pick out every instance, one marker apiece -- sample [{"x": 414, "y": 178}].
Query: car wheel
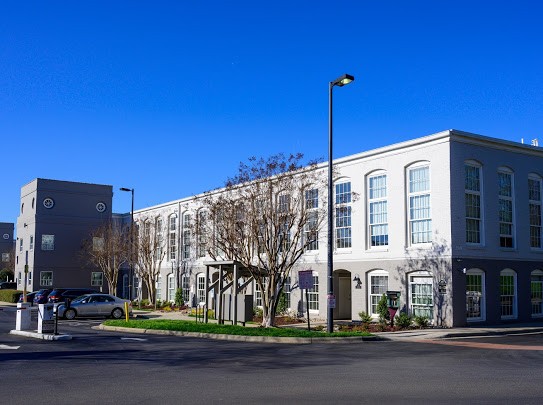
[
  {"x": 117, "y": 313},
  {"x": 69, "y": 314}
]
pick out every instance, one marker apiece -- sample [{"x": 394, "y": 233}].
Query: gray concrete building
[
  {"x": 55, "y": 217},
  {"x": 6, "y": 244}
]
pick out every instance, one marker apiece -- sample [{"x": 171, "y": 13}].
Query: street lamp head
[
  {"x": 126, "y": 189},
  {"x": 343, "y": 80}
]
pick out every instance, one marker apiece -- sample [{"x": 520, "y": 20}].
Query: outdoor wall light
[{"x": 358, "y": 281}]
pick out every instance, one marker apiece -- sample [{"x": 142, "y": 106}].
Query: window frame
[
  {"x": 511, "y": 275},
  {"x": 378, "y": 274},
  {"x": 537, "y": 206},
  {"x": 49, "y": 280},
  {"x": 425, "y": 308},
  {"x": 536, "y": 298},
  {"x": 377, "y": 201},
  {"x": 475, "y": 193},
  {"x": 419, "y": 195},
  {"x": 95, "y": 280},
  {"x": 343, "y": 215},
  {"x": 504, "y": 199},
  {"x": 476, "y": 273},
  {"x": 47, "y": 245}
]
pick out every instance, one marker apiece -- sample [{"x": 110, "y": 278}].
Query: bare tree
[
  {"x": 265, "y": 218},
  {"x": 150, "y": 250},
  {"x": 108, "y": 248}
]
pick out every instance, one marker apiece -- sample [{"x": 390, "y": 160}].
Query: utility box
[
  {"x": 24, "y": 319},
  {"x": 245, "y": 307},
  {"x": 46, "y": 318}
]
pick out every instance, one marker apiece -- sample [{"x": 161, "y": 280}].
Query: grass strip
[{"x": 188, "y": 326}]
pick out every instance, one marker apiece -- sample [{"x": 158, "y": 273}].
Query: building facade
[
  {"x": 452, "y": 221},
  {"x": 6, "y": 245},
  {"x": 55, "y": 218}
]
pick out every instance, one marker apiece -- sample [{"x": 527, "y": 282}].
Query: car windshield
[{"x": 80, "y": 298}]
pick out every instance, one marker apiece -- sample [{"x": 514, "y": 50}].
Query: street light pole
[
  {"x": 340, "y": 82},
  {"x": 131, "y": 272}
]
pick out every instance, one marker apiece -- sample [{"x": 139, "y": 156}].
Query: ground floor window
[
  {"x": 185, "y": 282},
  {"x": 378, "y": 285},
  {"x": 508, "y": 296},
  {"x": 313, "y": 294},
  {"x": 421, "y": 295},
  {"x": 201, "y": 288},
  {"x": 159, "y": 288},
  {"x": 536, "y": 291},
  {"x": 46, "y": 278},
  {"x": 475, "y": 295},
  {"x": 97, "y": 279},
  {"x": 286, "y": 290},
  {"x": 171, "y": 287}
]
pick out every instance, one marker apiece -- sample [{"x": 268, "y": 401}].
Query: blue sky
[{"x": 169, "y": 96}]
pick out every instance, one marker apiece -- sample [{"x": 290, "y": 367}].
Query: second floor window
[
  {"x": 343, "y": 215},
  {"x": 172, "y": 242},
  {"x": 48, "y": 242},
  {"x": 378, "y": 210},
  {"x": 420, "y": 220},
  {"x": 505, "y": 204},
  {"x": 534, "y": 202},
  {"x": 472, "y": 197}
]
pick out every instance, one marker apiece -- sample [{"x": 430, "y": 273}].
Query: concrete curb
[
  {"x": 241, "y": 338},
  {"x": 42, "y": 336}
]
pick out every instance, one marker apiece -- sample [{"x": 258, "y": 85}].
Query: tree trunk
[{"x": 268, "y": 316}]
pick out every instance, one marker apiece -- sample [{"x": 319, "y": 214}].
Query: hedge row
[{"x": 10, "y": 295}]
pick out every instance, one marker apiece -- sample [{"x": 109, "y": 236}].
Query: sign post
[{"x": 305, "y": 282}]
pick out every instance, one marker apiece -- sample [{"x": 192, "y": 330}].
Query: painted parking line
[
  {"x": 479, "y": 345},
  {"x": 6, "y": 347},
  {"x": 134, "y": 339}
]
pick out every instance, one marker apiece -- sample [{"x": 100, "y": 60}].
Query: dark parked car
[
  {"x": 29, "y": 297},
  {"x": 95, "y": 305},
  {"x": 41, "y": 296},
  {"x": 7, "y": 285},
  {"x": 61, "y": 294}
]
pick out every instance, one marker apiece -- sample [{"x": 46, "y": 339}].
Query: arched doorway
[{"x": 342, "y": 291}]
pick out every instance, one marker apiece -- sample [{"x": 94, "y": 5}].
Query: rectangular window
[
  {"x": 201, "y": 289},
  {"x": 21, "y": 245},
  {"x": 472, "y": 198},
  {"x": 186, "y": 236},
  {"x": 286, "y": 290},
  {"x": 202, "y": 235},
  {"x": 343, "y": 215},
  {"x": 378, "y": 210},
  {"x": 171, "y": 288},
  {"x": 97, "y": 244},
  {"x": 421, "y": 296},
  {"x": 159, "y": 239},
  {"x": 536, "y": 290},
  {"x": 474, "y": 297},
  {"x": 48, "y": 242},
  {"x": 313, "y": 294},
  {"x": 311, "y": 232},
  {"x": 378, "y": 287},
  {"x": 31, "y": 245},
  {"x": 312, "y": 199},
  {"x": 505, "y": 204},
  {"x": 97, "y": 279},
  {"x": 5, "y": 257},
  {"x": 420, "y": 221},
  {"x": 173, "y": 237},
  {"x": 159, "y": 288},
  {"x": 185, "y": 280},
  {"x": 534, "y": 205},
  {"x": 46, "y": 278}
]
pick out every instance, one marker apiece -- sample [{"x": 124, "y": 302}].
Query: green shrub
[
  {"x": 422, "y": 321},
  {"x": 364, "y": 317},
  {"x": 257, "y": 312},
  {"x": 179, "y": 297},
  {"x": 404, "y": 320},
  {"x": 10, "y": 295},
  {"x": 382, "y": 309},
  {"x": 145, "y": 302},
  {"x": 282, "y": 304}
]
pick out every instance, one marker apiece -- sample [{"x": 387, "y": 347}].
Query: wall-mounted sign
[{"x": 442, "y": 287}]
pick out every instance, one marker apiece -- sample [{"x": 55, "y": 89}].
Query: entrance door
[{"x": 344, "y": 298}]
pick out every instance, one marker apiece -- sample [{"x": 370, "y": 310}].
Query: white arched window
[
  {"x": 377, "y": 286},
  {"x": 536, "y": 293},
  {"x": 171, "y": 288},
  {"x": 418, "y": 202},
  {"x": 201, "y": 288},
  {"x": 159, "y": 287},
  {"x": 377, "y": 206},
  {"x": 475, "y": 295},
  {"x": 508, "y": 294}
]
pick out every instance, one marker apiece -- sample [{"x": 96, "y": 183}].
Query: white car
[{"x": 95, "y": 305}]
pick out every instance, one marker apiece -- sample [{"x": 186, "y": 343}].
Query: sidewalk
[{"x": 414, "y": 334}]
